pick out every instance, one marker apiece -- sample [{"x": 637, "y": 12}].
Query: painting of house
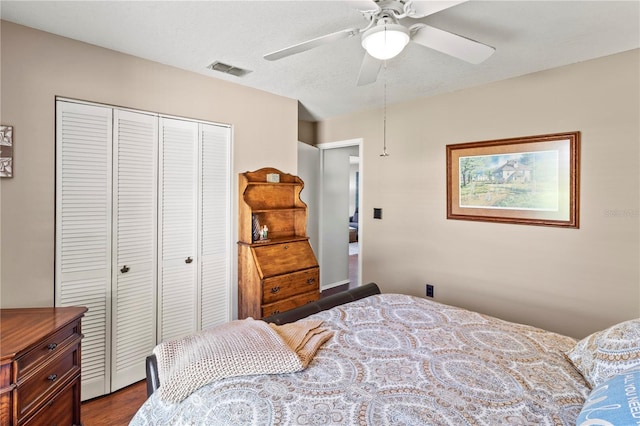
[{"x": 512, "y": 172}]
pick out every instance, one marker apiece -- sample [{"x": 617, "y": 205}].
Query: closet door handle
[
  {"x": 124, "y": 269},
  {"x": 188, "y": 260}
]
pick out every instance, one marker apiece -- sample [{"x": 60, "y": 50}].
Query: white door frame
[{"x": 334, "y": 145}]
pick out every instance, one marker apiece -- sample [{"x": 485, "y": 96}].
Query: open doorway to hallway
[{"x": 325, "y": 169}]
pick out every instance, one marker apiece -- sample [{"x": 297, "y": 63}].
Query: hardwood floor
[{"x": 115, "y": 409}]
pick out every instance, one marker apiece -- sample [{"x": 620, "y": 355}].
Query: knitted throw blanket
[{"x": 238, "y": 348}]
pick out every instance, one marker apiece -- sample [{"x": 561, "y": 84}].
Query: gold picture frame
[{"x": 532, "y": 180}]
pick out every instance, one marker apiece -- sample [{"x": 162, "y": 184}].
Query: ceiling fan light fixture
[{"x": 385, "y": 41}]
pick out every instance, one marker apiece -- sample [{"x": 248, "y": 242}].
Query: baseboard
[{"x": 336, "y": 284}]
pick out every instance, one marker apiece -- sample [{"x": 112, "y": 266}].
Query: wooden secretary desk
[
  {"x": 279, "y": 272},
  {"x": 40, "y": 366}
]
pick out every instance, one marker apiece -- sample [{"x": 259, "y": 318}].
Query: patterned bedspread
[{"x": 401, "y": 360}]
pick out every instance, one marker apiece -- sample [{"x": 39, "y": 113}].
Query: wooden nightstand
[{"x": 40, "y": 366}]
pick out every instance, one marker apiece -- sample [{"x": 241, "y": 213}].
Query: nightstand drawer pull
[
  {"x": 52, "y": 377},
  {"x": 311, "y": 280},
  {"x": 274, "y": 290},
  {"x": 52, "y": 346}
]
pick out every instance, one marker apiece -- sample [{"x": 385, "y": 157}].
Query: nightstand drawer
[
  {"x": 47, "y": 348},
  {"x": 290, "y": 303},
  {"x": 49, "y": 378},
  {"x": 279, "y": 259},
  {"x": 284, "y": 286}
]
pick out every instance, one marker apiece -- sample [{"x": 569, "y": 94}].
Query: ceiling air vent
[{"x": 228, "y": 69}]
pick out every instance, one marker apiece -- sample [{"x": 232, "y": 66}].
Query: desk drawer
[
  {"x": 277, "y": 259},
  {"x": 48, "y": 347},
  {"x": 284, "y": 286},
  {"x": 290, "y": 303},
  {"x": 48, "y": 379}
]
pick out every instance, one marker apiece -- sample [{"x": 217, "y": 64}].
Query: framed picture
[
  {"x": 531, "y": 180},
  {"x": 6, "y": 151}
]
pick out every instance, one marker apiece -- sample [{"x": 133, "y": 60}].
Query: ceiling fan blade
[
  {"x": 420, "y": 9},
  {"x": 369, "y": 70},
  {"x": 310, "y": 44},
  {"x": 365, "y": 5},
  {"x": 452, "y": 44}
]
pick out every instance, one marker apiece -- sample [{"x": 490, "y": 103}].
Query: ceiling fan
[{"x": 383, "y": 38}]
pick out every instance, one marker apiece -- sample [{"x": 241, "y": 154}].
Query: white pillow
[{"x": 607, "y": 353}]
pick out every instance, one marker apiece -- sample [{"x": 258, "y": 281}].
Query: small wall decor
[
  {"x": 6, "y": 151},
  {"x": 530, "y": 180}
]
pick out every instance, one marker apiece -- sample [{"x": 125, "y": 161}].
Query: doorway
[
  {"x": 340, "y": 198},
  {"x": 325, "y": 194}
]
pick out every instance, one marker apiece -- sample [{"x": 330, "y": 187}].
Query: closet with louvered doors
[
  {"x": 195, "y": 220},
  {"x": 142, "y": 220}
]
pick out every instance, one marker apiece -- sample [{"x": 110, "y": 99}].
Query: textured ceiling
[{"x": 529, "y": 36}]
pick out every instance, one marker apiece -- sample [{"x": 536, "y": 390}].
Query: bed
[{"x": 401, "y": 360}]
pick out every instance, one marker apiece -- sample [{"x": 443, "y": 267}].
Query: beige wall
[
  {"x": 307, "y": 131},
  {"x": 573, "y": 281},
  {"x": 37, "y": 67}
]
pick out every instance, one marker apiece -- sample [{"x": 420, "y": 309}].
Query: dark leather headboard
[
  {"x": 153, "y": 381},
  {"x": 323, "y": 304}
]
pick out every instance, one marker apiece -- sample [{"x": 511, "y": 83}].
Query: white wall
[
  {"x": 37, "y": 67},
  {"x": 573, "y": 281},
  {"x": 309, "y": 172}
]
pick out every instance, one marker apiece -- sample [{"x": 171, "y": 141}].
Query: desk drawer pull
[
  {"x": 52, "y": 346},
  {"x": 52, "y": 377}
]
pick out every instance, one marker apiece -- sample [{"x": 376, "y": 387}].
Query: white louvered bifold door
[
  {"x": 178, "y": 227},
  {"x": 134, "y": 265},
  {"x": 83, "y": 230},
  {"x": 215, "y": 225},
  {"x": 142, "y": 233}
]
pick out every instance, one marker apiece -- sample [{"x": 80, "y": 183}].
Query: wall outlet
[{"x": 429, "y": 290}]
